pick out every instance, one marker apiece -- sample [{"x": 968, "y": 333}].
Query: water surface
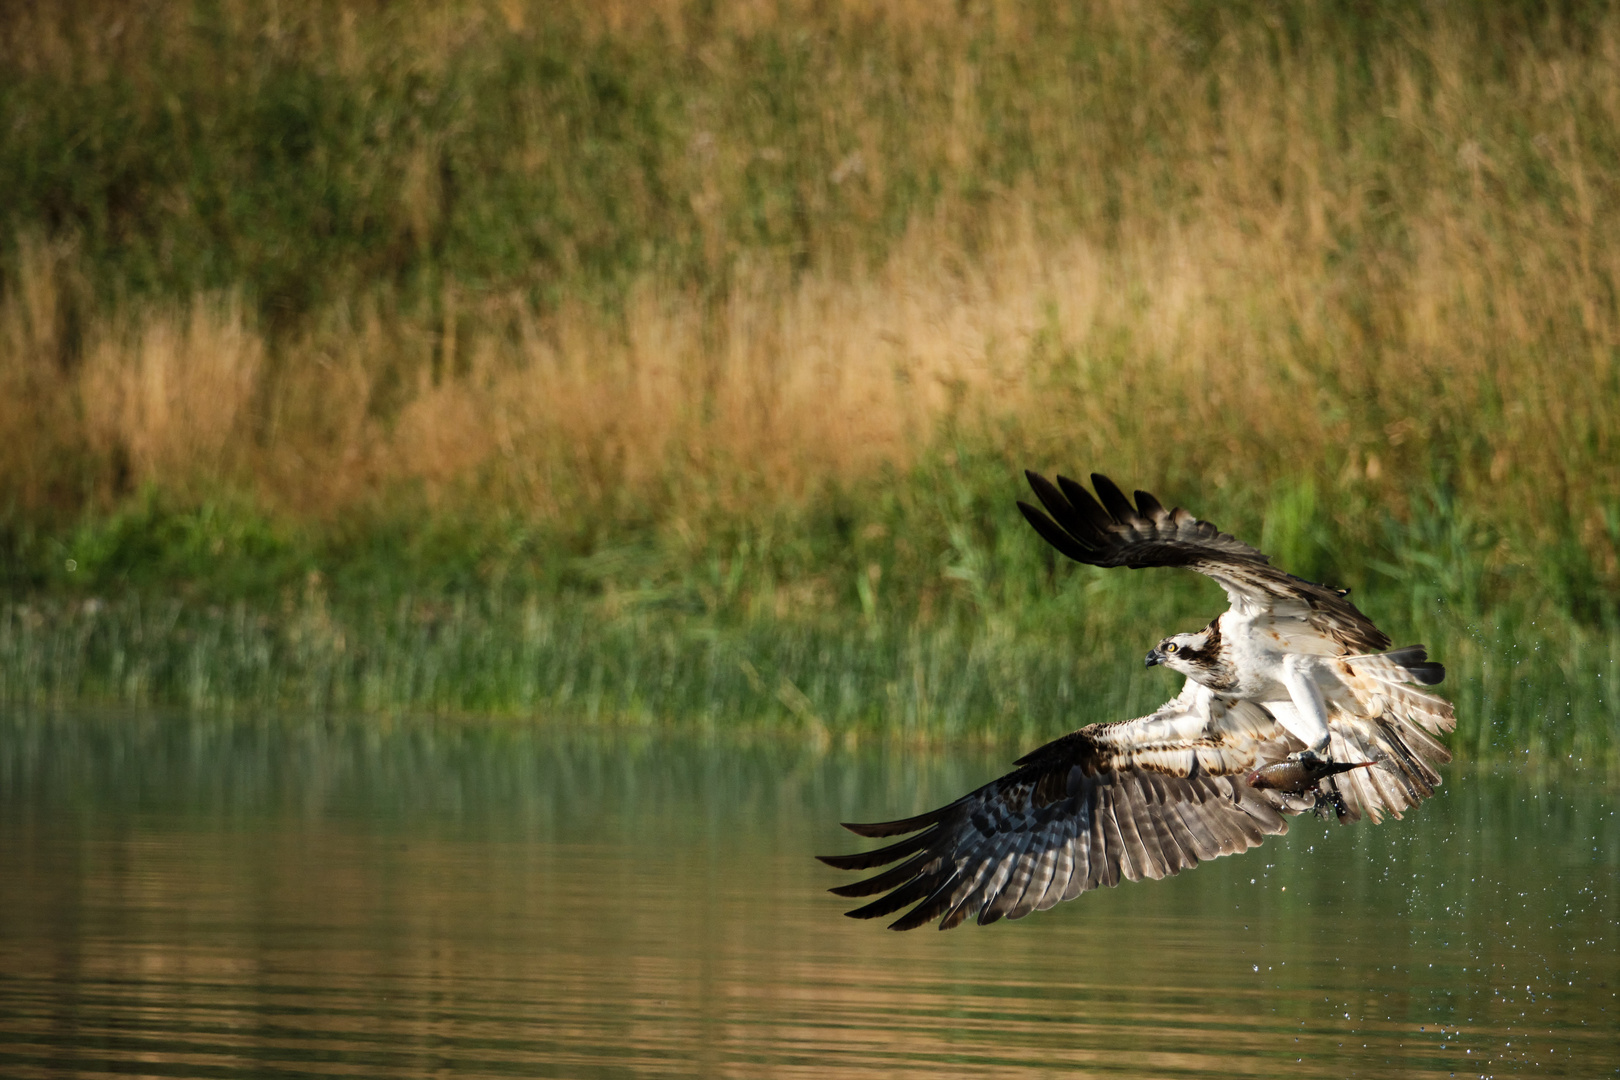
[{"x": 213, "y": 897}]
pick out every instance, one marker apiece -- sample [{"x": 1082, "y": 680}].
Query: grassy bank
[
  {"x": 999, "y": 644},
  {"x": 1523, "y": 694},
  {"x": 472, "y": 356}
]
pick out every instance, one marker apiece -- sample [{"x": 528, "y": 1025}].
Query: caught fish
[{"x": 1295, "y": 777}]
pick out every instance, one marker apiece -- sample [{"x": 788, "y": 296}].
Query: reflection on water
[{"x": 185, "y": 897}]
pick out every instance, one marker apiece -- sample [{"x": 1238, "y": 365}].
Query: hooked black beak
[{"x": 1154, "y": 657}]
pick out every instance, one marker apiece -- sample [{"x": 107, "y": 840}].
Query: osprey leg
[{"x": 1309, "y": 719}]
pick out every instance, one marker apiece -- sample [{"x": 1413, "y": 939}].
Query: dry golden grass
[
  {"x": 1229, "y": 350},
  {"x": 171, "y": 395}
]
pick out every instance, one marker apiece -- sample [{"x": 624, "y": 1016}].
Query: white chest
[{"x": 1255, "y": 646}]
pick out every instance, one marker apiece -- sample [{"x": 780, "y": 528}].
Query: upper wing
[
  {"x": 1115, "y": 533},
  {"x": 1146, "y": 798}
]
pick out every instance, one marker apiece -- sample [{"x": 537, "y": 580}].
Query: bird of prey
[{"x": 1293, "y": 702}]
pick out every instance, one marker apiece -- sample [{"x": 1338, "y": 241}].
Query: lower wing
[{"x": 1146, "y": 798}]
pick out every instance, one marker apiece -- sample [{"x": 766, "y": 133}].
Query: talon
[{"x": 1331, "y": 802}]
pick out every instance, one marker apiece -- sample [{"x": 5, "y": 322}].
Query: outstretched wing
[
  {"x": 1112, "y": 532},
  {"x": 1146, "y": 798}
]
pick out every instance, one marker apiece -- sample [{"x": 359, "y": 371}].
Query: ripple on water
[{"x": 549, "y": 905}]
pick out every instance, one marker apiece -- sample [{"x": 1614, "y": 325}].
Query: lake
[{"x": 189, "y": 896}]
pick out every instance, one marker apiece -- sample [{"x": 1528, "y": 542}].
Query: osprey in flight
[{"x": 1292, "y": 703}]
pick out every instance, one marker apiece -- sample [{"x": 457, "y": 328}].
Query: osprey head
[{"x": 1193, "y": 655}]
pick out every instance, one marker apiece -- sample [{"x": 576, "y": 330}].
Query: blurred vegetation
[{"x": 682, "y": 360}]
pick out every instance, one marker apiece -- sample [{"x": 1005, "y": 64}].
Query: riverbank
[{"x": 471, "y": 357}]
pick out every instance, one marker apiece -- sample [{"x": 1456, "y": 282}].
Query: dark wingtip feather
[
  {"x": 1415, "y": 659},
  {"x": 904, "y": 896},
  {"x": 1092, "y": 517},
  {"x": 866, "y": 860},
  {"x": 936, "y": 904},
  {"x": 1053, "y": 534},
  {"x": 1047, "y": 492},
  {"x": 1407, "y": 654},
  {"x": 856, "y": 889},
  {"x": 1429, "y": 674},
  {"x": 1150, "y": 507},
  {"x": 892, "y": 828},
  {"x": 1071, "y": 507},
  {"x": 1112, "y": 498},
  {"x": 891, "y": 878}
]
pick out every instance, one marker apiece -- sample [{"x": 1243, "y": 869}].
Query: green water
[{"x": 187, "y": 896}]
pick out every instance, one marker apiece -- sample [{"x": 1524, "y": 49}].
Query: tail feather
[
  {"x": 1390, "y": 676},
  {"x": 1409, "y": 664},
  {"x": 1406, "y": 755},
  {"x": 1429, "y": 674},
  {"x": 1392, "y": 721}
]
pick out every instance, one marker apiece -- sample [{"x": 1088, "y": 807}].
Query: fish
[{"x": 1296, "y": 777}]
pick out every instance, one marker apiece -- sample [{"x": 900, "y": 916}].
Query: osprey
[{"x": 1292, "y": 703}]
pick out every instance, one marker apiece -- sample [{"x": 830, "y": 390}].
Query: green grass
[
  {"x": 1520, "y": 691},
  {"x": 971, "y": 632}
]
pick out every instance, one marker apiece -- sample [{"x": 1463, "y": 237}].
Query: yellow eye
[{"x": 1172, "y": 647}]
